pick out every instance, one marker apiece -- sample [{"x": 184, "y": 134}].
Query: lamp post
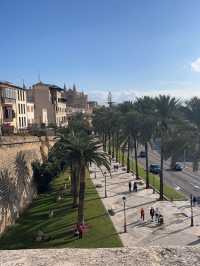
[
  {"x": 192, "y": 217},
  {"x": 124, "y": 201},
  {"x": 153, "y": 184},
  {"x": 105, "y": 184}
]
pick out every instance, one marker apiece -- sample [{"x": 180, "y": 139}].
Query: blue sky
[{"x": 129, "y": 47}]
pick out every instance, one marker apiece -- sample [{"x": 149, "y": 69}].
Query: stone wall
[
  {"x": 137, "y": 256},
  {"x": 17, "y": 189}
]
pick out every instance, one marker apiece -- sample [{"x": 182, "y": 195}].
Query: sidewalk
[{"x": 176, "y": 229}]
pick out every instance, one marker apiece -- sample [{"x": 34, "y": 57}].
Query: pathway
[{"x": 176, "y": 229}]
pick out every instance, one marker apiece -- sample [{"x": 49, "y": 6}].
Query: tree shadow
[
  {"x": 196, "y": 242},
  {"x": 136, "y": 206}
]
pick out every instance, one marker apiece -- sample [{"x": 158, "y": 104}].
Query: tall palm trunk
[
  {"x": 105, "y": 142},
  {"x": 128, "y": 155},
  {"x": 173, "y": 161},
  {"x": 113, "y": 146},
  {"x": 147, "y": 164},
  {"x": 81, "y": 194},
  {"x": 75, "y": 181},
  {"x": 161, "y": 171},
  {"x": 109, "y": 144},
  {"x": 117, "y": 147},
  {"x": 123, "y": 157},
  {"x": 136, "y": 158},
  {"x": 104, "y": 145}
]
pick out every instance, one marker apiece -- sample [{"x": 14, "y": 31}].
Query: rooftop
[
  {"x": 4, "y": 84},
  {"x": 52, "y": 86}
]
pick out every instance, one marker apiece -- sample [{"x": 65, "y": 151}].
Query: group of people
[
  {"x": 154, "y": 214},
  {"x": 132, "y": 187}
]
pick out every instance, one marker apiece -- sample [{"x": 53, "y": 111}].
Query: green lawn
[
  {"x": 100, "y": 234},
  {"x": 154, "y": 181}
]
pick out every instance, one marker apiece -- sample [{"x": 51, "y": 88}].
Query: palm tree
[
  {"x": 192, "y": 114},
  {"x": 145, "y": 106},
  {"x": 165, "y": 114},
  {"x": 84, "y": 150},
  {"x": 100, "y": 126},
  {"x": 179, "y": 139},
  {"x": 130, "y": 132}
]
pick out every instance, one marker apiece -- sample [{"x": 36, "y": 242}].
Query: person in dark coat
[
  {"x": 135, "y": 187},
  {"x": 152, "y": 212},
  {"x": 129, "y": 185},
  {"x": 194, "y": 200}
]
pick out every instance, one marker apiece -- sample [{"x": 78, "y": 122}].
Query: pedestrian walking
[
  {"x": 135, "y": 186},
  {"x": 80, "y": 230},
  {"x": 156, "y": 214},
  {"x": 142, "y": 214},
  {"x": 129, "y": 185},
  {"x": 152, "y": 212},
  {"x": 160, "y": 219},
  {"x": 194, "y": 201}
]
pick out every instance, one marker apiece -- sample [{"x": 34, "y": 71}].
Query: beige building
[
  {"x": 13, "y": 113},
  {"x": 50, "y": 105},
  {"x": 30, "y": 113},
  {"x": 21, "y": 108},
  {"x": 8, "y": 107}
]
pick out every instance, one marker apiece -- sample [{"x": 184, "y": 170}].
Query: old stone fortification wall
[
  {"x": 17, "y": 189},
  {"x": 137, "y": 256}
]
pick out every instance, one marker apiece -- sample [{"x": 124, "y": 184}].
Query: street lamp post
[
  {"x": 105, "y": 184},
  {"x": 124, "y": 201},
  {"x": 192, "y": 216}
]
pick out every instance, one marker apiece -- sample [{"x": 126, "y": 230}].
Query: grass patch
[
  {"x": 154, "y": 181},
  {"x": 101, "y": 232}
]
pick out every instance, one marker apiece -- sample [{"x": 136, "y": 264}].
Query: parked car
[
  {"x": 142, "y": 154},
  {"x": 154, "y": 168},
  {"x": 178, "y": 167}
]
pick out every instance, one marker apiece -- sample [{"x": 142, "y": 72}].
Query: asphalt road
[{"x": 185, "y": 180}]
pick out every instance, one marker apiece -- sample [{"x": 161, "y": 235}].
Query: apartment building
[
  {"x": 13, "y": 114},
  {"x": 21, "y": 108},
  {"x": 50, "y": 105},
  {"x": 8, "y": 106},
  {"x": 30, "y": 113}
]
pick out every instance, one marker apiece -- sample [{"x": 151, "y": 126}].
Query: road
[{"x": 185, "y": 181}]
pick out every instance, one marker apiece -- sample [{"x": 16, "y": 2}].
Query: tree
[
  {"x": 165, "y": 114},
  {"x": 83, "y": 150},
  {"x": 192, "y": 114},
  {"x": 130, "y": 132},
  {"x": 146, "y": 107}
]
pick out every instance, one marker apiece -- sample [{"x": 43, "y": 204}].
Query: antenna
[
  {"x": 39, "y": 80},
  {"x": 110, "y": 102},
  {"x": 23, "y": 84}
]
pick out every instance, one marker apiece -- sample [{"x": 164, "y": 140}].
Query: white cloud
[{"x": 195, "y": 65}]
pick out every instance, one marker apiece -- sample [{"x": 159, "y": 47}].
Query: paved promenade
[{"x": 176, "y": 229}]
